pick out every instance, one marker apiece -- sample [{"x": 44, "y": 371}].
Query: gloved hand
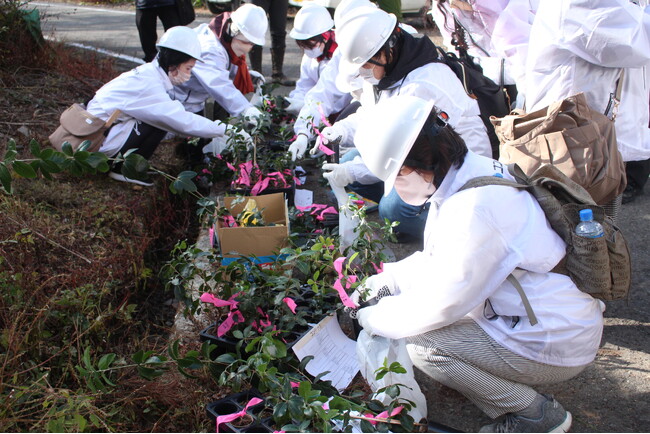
[
  {"x": 338, "y": 174},
  {"x": 295, "y": 105},
  {"x": 256, "y": 77},
  {"x": 330, "y": 134},
  {"x": 251, "y": 114},
  {"x": 375, "y": 287},
  {"x": 298, "y": 147},
  {"x": 363, "y": 317},
  {"x": 241, "y": 135}
]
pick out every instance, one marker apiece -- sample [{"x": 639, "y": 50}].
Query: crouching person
[
  {"x": 147, "y": 111},
  {"x": 465, "y": 324}
]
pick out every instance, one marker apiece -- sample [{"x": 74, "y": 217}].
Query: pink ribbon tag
[
  {"x": 379, "y": 269},
  {"x": 292, "y": 304},
  {"x": 206, "y": 297},
  {"x": 211, "y": 235},
  {"x": 260, "y": 186},
  {"x": 383, "y": 415},
  {"x": 295, "y": 384},
  {"x": 323, "y": 118},
  {"x": 234, "y": 416},
  {"x": 321, "y": 140},
  {"x": 338, "y": 266},
  {"x": 329, "y": 210},
  {"x": 234, "y": 317}
]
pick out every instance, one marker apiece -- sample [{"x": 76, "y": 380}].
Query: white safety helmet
[
  {"x": 251, "y": 21},
  {"x": 183, "y": 39},
  {"x": 311, "y": 20},
  {"x": 362, "y": 35},
  {"x": 387, "y": 132},
  {"x": 342, "y": 11}
]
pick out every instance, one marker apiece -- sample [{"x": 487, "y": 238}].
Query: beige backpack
[{"x": 78, "y": 125}]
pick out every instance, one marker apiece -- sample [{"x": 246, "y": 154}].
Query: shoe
[
  {"x": 554, "y": 418},
  {"x": 630, "y": 193},
  {"x": 119, "y": 177}
]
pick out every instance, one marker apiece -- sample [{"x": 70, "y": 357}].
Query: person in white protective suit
[
  {"x": 583, "y": 46},
  {"x": 393, "y": 62},
  {"x": 465, "y": 324},
  {"x": 496, "y": 34},
  {"x": 147, "y": 111},
  {"x": 312, "y": 30},
  {"x": 224, "y": 73}
]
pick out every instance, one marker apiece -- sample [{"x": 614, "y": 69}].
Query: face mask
[
  {"x": 413, "y": 188},
  {"x": 240, "y": 47},
  {"x": 315, "y": 52},
  {"x": 368, "y": 76},
  {"x": 180, "y": 77}
]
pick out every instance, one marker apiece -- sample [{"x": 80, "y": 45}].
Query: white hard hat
[
  {"x": 342, "y": 10},
  {"x": 311, "y": 20},
  {"x": 183, "y": 39},
  {"x": 251, "y": 21},
  {"x": 387, "y": 132},
  {"x": 361, "y": 35}
]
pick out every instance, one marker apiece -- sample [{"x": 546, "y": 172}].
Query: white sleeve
[
  {"x": 214, "y": 76},
  {"x": 463, "y": 269},
  {"x": 308, "y": 78},
  {"x": 155, "y": 107},
  {"x": 610, "y": 33}
]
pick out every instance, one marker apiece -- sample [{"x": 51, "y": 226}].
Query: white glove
[
  {"x": 242, "y": 135},
  {"x": 330, "y": 134},
  {"x": 377, "y": 286},
  {"x": 295, "y": 105},
  {"x": 338, "y": 174},
  {"x": 256, "y": 77},
  {"x": 298, "y": 147},
  {"x": 251, "y": 114},
  {"x": 363, "y": 316}
]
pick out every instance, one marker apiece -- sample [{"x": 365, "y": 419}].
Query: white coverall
[
  {"x": 324, "y": 93},
  {"x": 472, "y": 241},
  {"x": 496, "y": 30},
  {"x": 435, "y": 82},
  {"x": 581, "y": 46},
  {"x": 310, "y": 72},
  {"x": 211, "y": 78},
  {"x": 142, "y": 94}
]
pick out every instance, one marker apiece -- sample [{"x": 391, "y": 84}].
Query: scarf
[
  {"x": 330, "y": 46},
  {"x": 242, "y": 80},
  {"x": 411, "y": 53}
]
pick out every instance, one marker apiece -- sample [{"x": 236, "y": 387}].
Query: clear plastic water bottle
[{"x": 588, "y": 227}]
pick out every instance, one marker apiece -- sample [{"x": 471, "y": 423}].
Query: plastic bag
[
  {"x": 371, "y": 352},
  {"x": 347, "y": 221}
]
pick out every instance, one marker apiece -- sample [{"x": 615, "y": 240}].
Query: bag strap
[
  {"x": 521, "y": 183},
  {"x": 532, "y": 318},
  {"x": 111, "y": 120}
]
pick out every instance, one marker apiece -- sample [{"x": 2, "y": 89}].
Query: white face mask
[
  {"x": 180, "y": 77},
  {"x": 367, "y": 75},
  {"x": 315, "y": 52},
  {"x": 240, "y": 47},
  {"x": 413, "y": 188}
]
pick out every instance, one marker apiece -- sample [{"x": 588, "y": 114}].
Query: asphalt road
[{"x": 114, "y": 30}]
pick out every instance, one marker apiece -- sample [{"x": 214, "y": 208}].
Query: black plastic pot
[{"x": 235, "y": 403}]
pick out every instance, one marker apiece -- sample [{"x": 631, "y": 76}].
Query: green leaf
[
  {"x": 46, "y": 153},
  {"x": 295, "y": 405},
  {"x": 35, "y": 148},
  {"x": 97, "y": 159},
  {"x": 5, "y": 177},
  {"x": 392, "y": 391},
  {"x": 105, "y": 361},
  {"x": 50, "y": 166},
  {"x": 84, "y": 145},
  {"x": 225, "y": 358},
  {"x": 397, "y": 368},
  {"x": 279, "y": 411},
  {"x": 81, "y": 156},
  {"x": 67, "y": 149},
  {"x": 23, "y": 169}
]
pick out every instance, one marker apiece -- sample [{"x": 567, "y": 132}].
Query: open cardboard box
[{"x": 260, "y": 241}]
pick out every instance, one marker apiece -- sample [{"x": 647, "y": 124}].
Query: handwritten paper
[{"x": 332, "y": 351}]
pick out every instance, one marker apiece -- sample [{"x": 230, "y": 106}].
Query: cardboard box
[{"x": 260, "y": 241}]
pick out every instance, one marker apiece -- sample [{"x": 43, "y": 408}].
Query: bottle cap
[{"x": 586, "y": 215}]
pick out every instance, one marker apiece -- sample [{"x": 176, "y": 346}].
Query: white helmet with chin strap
[
  {"x": 312, "y": 20},
  {"x": 387, "y": 132},
  {"x": 250, "y": 21},
  {"x": 362, "y": 35},
  {"x": 182, "y": 39}
]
